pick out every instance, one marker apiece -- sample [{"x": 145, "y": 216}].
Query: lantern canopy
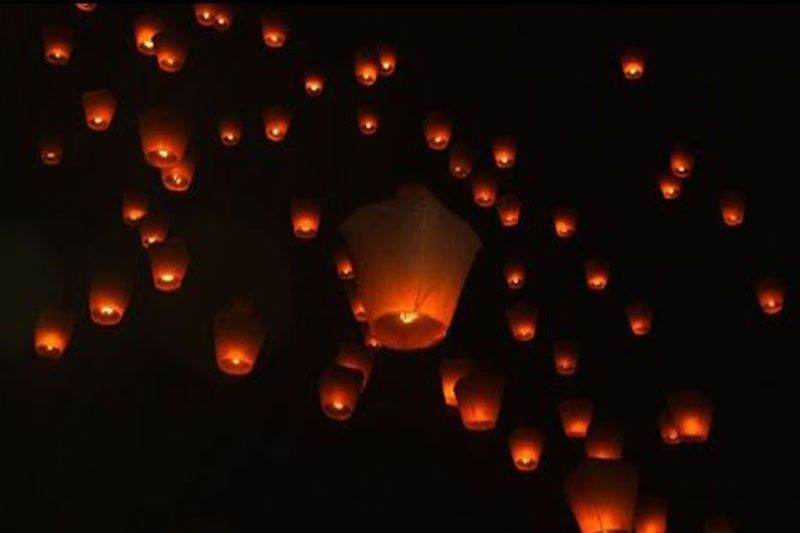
[
  {"x": 223, "y": 17},
  {"x": 53, "y": 332},
  {"x": 479, "y": 395},
  {"x": 666, "y": 426},
  {"x": 602, "y": 495},
  {"x": 597, "y": 273},
  {"x": 230, "y": 131},
  {"x": 58, "y": 43},
  {"x": 238, "y": 337},
  {"x": 179, "y": 178},
  {"x": 204, "y": 14},
  {"x": 98, "y": 109},
  {"x": 339, "y": 389},
  {"x": 314, "y": 83},
  {"x": 509, "y": 209},
  {"x": 344, "y": 266},
  {"x": 366, "y": 68},
  {"x": 169, "y": 260},
  {"x": 525, "y": 444},
  {"x": 484, "y": 190},
  {"x": 452, "y": 369},
  {"x": 514, "y": 273},
  {"x": 576, "y": 416},
  {"x": 670, "y": 186},
  {"x": 565, "y": 222},
  {"x": 438, "y": 129},
  {"x": 770, "y": 293},
  {"x": 368, "y": 120},
  {"x": 164, "y": 136},
  {"x": 109, "y": 294},
  {"x": 171, "y": 49}
]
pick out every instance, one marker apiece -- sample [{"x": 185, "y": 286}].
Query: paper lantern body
[
  {"x": 504, "y": 150},
  {"x": 597, "y": 273},
  {"x": 460, "y": 162},
  {"x": 98, "y": 109},
  {"x": 58, "y": 43},
  {"x": 339, "y": 389},
  {"x": 53, "y": 332},
  {"x": 484, "y": 190},
  {"x": 576, "y": 416},
  {"x": 565, "y": 222},
  {"x": 633, "y": 63},
  {"x": 51, "y": 150},
  {"x": 169, "y": 260},
  {"x": 314, "y": 83},
  {"x": 230, "y": 131},
  {"x": 145, "y": 28},
  {"x": 681, "y": 162},
  {"x": 179, "y": 178},
  {"x": 602, "y": 496},
  {"x": 355, "y": 357},
  {"x": 223, "y": 17},
  {"x": 276, "y": 123},
  {"x": 109, "y": 295},
  {"x": 691, "y": 413},
  {"x": 666, "y": 426},
  {"x": 479, "y": 396},
  {"x": 522, "y": 320},
  {"x": 509, "y": 209},
  {"x": 153, "y": 228},
  {"x": 438, "y": 129},
  {"x": 565, "y": 357},
  {"x": 274, "y": 30},
  {"x": 452, "y": 369},
  {"x": 604, "y": 441},
  {"x": 344, "y": 266},
  {"x": 514, "y": 273},
  {"x": 770, "y": 293},
  {"x": 164, "y": 137},
  {"x": 640, "y": 319},
  {"x": 525, "y": 444},
  {"x": 368, "y": 120},
  {"x": 134, "y": 207},
  {"x": 171, "y": 50},
  {"x": 305, "y": 218},
  {"x": 366, "y": 68},
  {"x": 670, "y": 187},
  {"x": 204, "y": 14},
  {"x": 732, "y": 206},
  {"x": 238, "y": 337},
  {"x": 651, "y": 516},
  {"x": 387, "y": 59}
]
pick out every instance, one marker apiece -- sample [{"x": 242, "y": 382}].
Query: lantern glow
[
  {"x": 276, "y": 123},
  {"x": 145, "y": 28},
  {"x": 597, "y": 274},
  {"x": 339, "y": 389},
  {"x": 366, "y": 68},
  {"x": 153, "y": 229},
  {"x": 238, "y": 337},
  {"x": 305, "y": 218},
  {"x": 230, "y": 131},
  {"x": 484, "y": 190},
  {"x": 770, "y": 293},
  {"x": 53, "y": 332},
  {"x": 514, "y": 273},
  {"x": 171, "y": 50},
  {"x": 565, "y": 357},
  {"x": 525, "y": 444},
  {"x": 204, "y": 14},
  {"x": 98, "y": 109},
  {"x": 274, "y": 30},
  {"x": 368, "y": 120},
  {"x": 504, "y": 150},
  {"x": 314, "y": 83},
  {"x": 223, "y": 17},
  {"x": 178, "y": 178},
  {"x": 438, "y": 129},
  {"x": 522, "y": 319},
  {"x": 344, "y": 266},
  {"x": 460, "y": 162},
  {"x": 479, "y": 396},
  {"x": 58, "y": 43},
  {"x": 355, "y": 357},
  {"x": 109, "y": 295},
  {"x": 164, "y": 137},
  {"x": 604, "y": 441},
  {"x": 732, "y": 206},
  {"x": 691, "y": 413},
  {"x": 602, "y": 495},
  {"x": 681, "y": 162},
  {"x": 670, "y": 187},
  {"x": 452, "y": 369},
  {"x": 633, "y": 62},
  {"x": 651, "y": 516},
  {"x": 387, "y": 58},
  {"x": 169, "y": 260},
  {"x": 134, "y": 207},
  {"x": 576, "y": 416},
  {"x": 509, "y": 209},
  {"x": 565, "y": 222},
  {"x": 50, "y": 150},
  {"x": 640, "y": 319},
  {"x": 666, "y": 426}
]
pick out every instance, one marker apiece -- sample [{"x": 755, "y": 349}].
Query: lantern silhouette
[
  {"x": 204, "y": 14},
  {"x": 412, "y": 256},
  {"x": 366, "y": 68},
  {"x": 344, "y": 267},
  {"x": 633, "y": 62},
  {"x": 370, "y": 340},
  {"x": 691, "y": 412},
  {"x": 109, "y": 294},
  {"x": 387, "y": 59},
  {"x": 53, "y": 333},
  {"x": 597, "y": 274},
  {"x": 368, "y": 120},
  {"x": 274, "y": 30},
  {"x": 134, "y": 207},
  {"x": 355, "y": 357},
  {"x": 576, "y": 416},
  {"x": 718, "y": 524},
  {"x": 479, "y": 395},
  {"x": 356, "y": 303},
  {"x": 525, "y": 444},
  {"x": 50, "y": 150},
  {"x": 565, "y": 222},
  {"x": 484, "y": 190},
  {"x": 732, "y": 206},
  {"x": 604, "y": 441},
  {"x": 238, "y": 337},
  {"x": 145, "y": 28},
  {"x": 276, "y": 123},
  {"x": 504, "y": 150},
  {"x": 171, "y": 50},
  {"x": 602, "y": 495},
  {"x": 667, "y": 428},
  {"x": 169, "y": 260},
  {"x": 670, "y": 187},
  {"x": 230, "y": 131},
  {"x": 86, "y": 8},
  {"x": 522, "y": 319},
  {"x": 223, "y": 17},
  {"x": 770, "y": 293},
  {"x": 438, "y": 129},
  {"x": 58, "y": 43},
  {"x": 651, "y": 516},
  {"x": 565, "y": 357},
  {"x": 460, "y": 162},
  {"x": 339, "y": 388},
  {"x": 509, "y": 209},
  {"x": 98, "y": 109},
  {"x": 452, "y": 369},
  {"x": 314, "y": 83},
  {"x": 514, "y": 272},
  {"x": 153, "y": 229},
  {"x": 178, "y": 178},
  {"x": 640, "y": 319},
  {"x": 305, "y": 218},
  {"x": 164, "y": 137},
  {"x": 681, "y": 162}
]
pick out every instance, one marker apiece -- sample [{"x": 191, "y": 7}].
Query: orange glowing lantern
[
  {"x": 452, "y": 370},
  {"x": 387, "y": 58},
  {"x": 504, "y": 150},
  {"x": 153, "y": 229},
  {"x": 522, "y": 321},
  {"x": 633, "y": 61},
  {"x": 355, "y": 357},
  {"x": 356, "y": 303},
  {"x": 109, "y": 295},
  {"x": 98, "y": 109},
  {"x": 691, "y": 412},
  {"x": 230, "y": 131},
  {"x": 169, "y": 260},
  {"x": 565, "y": 222},
  {"x": 145, "y": 28},
  {"x": 576, "y": 416},
  {"x": 640, "y": 319},
  {"x": 484, "y": 190},
  {"x": 670, "y": 187},
  {"x": 274, "y": 30},
  {"x": 514, "y": 272},
  {"x": 366, "y": 68},
  {"x": 344, "y": 267},
  {"x": 597, "y": 273},
  {"x": 179, "y": 178},
  {"x": 86, "y": 8},
  {"x": 667, "y": 428},
  {"x": 238, "y": 337},
  {"x": 438, "y": 129},
  {"x": 223, "y": 17},
  {"x": 602, "y": 495},
  {"x": 525, "y": 444},
  {"x": 718, "y": 524},
  {"x": 305, "y": 218},
  {"x": 509, "y": 208},
  {"x": 164, "y": 137},
  {"x": 276, "y": 123},
  {"x": 370, "y": 340},
  {"x": 134, "y": 207},
  {"x": 460, "y": 162},
  {"x": 681, "y": 162},
  {"x": 339, "y": 388},
  {"x": 604, "y": 441},
  {"x": 412, "y": 256},
  {"x": 732, "y": 206},
  {"x": 57, "y": 45},
  {"x": 479, "y": 395},
  {"x": 651, "y": 516},
  {"x": 204, "y": 14},
  {"x": 53, "y": 332},
  {"x": 565, "y": 357},
  {"x": 314, "y": 83},
  {"x": 51, "y": 150},
  {"x": 368, "y": 120},
  {"x": 770, "y": 293},
  {"x": 171, "y": 50}
]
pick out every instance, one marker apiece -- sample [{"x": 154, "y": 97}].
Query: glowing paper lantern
[
  {"x": 134, "y": 207},
  {"x": 178, "y": 178},
  {"x": 509, "y": 209},
  {"x": 514, "y": 272},
  {"x": 53, "y": 332},
  {"x": 58, "y": 43},
  {"x": 522, "y": 321},
  {"x": 230, "y": 131},
  {"x": 50, "y": 150},
  {"x": 640, "y": 319},
  {"x": 314, "y": 83},
  {"x": 355, "y": 357},
  {"x": 204, "y": 14},
  {"x": 169, "y": 260},
  {"x": 344, "y": 267},
  {"x": 602, "y": 496},
  {"x": 276, "y": 123},
  {"x": 460, "y": 162},
  {"x": 98, "y": 109},
  {"x": 452, "y": 369},
  {"x": 565, "y": 222},
  {"x": 109, "y": 295},
  {"x": 479, "y": 395},
  {"x": 667, "y": 428},
  {"x": 86, "y": 8},
  {"x": 153, "y": 229},
  {"x": 412, "y": 256},
  {"x": 525, "y": 444},
  {"x": 305, "y": 218},
  {"x": 651, "y": 516},
  {"x": 368, "y": 120},
  {"x": 366, "y": 68},
  {"x": 770, "y": 293},
  {"x": 370, "y": 340},
  {"x": 565, "y": 357},
  {"x": 604, "y": 441},
  {"x": 670, "y": 187},
  {"x": 484, "y": 190},
  {"x": 274, "y": 30},
  {"x": 691, "y": 412},
  {"x": 438, "y": 129},
  {"x": 164, "y": 137},
  {"x": 223, "y": 17},
  {"x": 576, "y": 416},
  {"x": 238, "y": 337},
  {"x": 145, "y": 28},
  {"x": 387, "y": 58},
  {"x": 597, "y": 274},
  {"x": 339, "y": 389},
  {"x": 504, "y": 150},
  {"x": 171, "y": 50},
  {"x": 633, "y": 62},
  {"x": 356, "y": 303},
  {"x": 681, "y": 162},
  {"x": 732, "y": 206},
  {"x": 718, "y": 524}
]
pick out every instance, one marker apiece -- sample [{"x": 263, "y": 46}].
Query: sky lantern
[
  {"x": 344, "y": 266},
  {"x": 484, "y": 190},
  {"x": 153, "y": 229},
  {"x": 51, "y": 150},
  {"x": 387, "y": 59},
  {"x": 314, "y": 83},
  {"x": 576, "y": 416},
  {"x": 98, "y": 109},
  {"x": 274, "y": 30},
  {"x": 602, "y": 495},
  {"x": 370, "y": 340},
  {"x": 366, "y": 68},
  {"x": 509, "y": 209},
  {"x": 204, "y": 14},
  {"x": 339, "y": 389},
  {"x": 514, "y": 272},
  {"x": 355, "y": 357},
  {"x": 85, "y": 7},
  {"x": 145, "y": 28},
  {"x": 53, "y": 332},
  {"x": 565, "y": 222},
  {"x": 276, "y": 123},
  {"x": 691, "y": 412},
  {"x": 230, "y": 131},
  {"x": 670, "y": 186},
  {"x": 58, "y": 43},
  {"x": 178, "y": 178},
  {"x": 718, "y": 524},
  {"x": 109, "y": 294},
  {"x": 504, "y": 150},
  {"x": 438, "y": 129},
  {"x": 565, "y": 357},
  {"x": 667, "y": 428},
  {"x": 479, "y": 395},
  {"x": 412, "y": 256},
  {"x": 522, "y": 319},
  {"x": 597, "y": 274},
  {"x": 169, "y": 260},
  {"x": 633, "y": 62},
  {"x": 238, "y": 337},
  {"x": 640, "y": 319},
  {"x": 305, "y": 218},
  {"x": 651, "y": 516},
  {"x": 452, "y": 369},
  {"x": 223, "y": 17},
  {"x": 164, "y": 137},
  {"x": 134, "y": 207},
  {"x": 770, "y": 293},
  {"x": 368, "y": 120},
  {"x": 732, "y": 205},
  {"x": 171, "y": 49},
  {"x": 681, "y": 162},
  {"x": 525, "y": 444},
  {"x": 356, "y": 302},
  {"x": 604, "y": 441},
  {"x": 460, "y": 162}
]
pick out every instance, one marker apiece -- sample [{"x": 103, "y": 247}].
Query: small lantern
[
  {"x": 387, "y": 58},
  {"x": 276, "y": 123},
  {"x": 509, "y": 208},
  {"x": 770, "y": 293},
  {"x": 344, "y": 266},
  {"x": 565, "y": 222},
  {"x": 356, "y": 303},
  {"x": 479, "y": 396},
  {"x": 355, "y": 357},
  {"x": 640, "y": 319},
  {"x": 667, "y": 428},
  {"x": 164, "y": 137},
  {"x": 371, "y": 341},
  {"x": 565, "y": 357},
  {"x": 681, "y": 162},
  {"x": 651, "y": 516},
  {"x": 134, "y": 207},
  {"x": 230, "y": 131},
  {"x": 504, "y": 150},
  {"x": 305, "y": 218},
  {"x": 171, "y": 50},
  {"x": 438, "y": 129},
  {"x": 204, "y": 14},
  {"x": 576, "y": 416},
  {"x": 452, "y": 369},
  {"x": 525, "y": 444},
  {"x": 223, "y": 17},
  {"x": 109, "y": 295},
  {"x": 460, "y": 162},
  {"x": 238, "y": 337},
  {"x": 169, "y": 260},
  {"x": 522, "y": 321},
  {"x": 58, "y": 43},
  {"x": 670, "y": 187},
  {"x": 339, "y": 389},
  {"x": 691, "y": 412},
  {"x": 732, "y": 206},
  {"x": 145, "y": 28},
  {"x": 718, "y": 524},
  {"x": 153, "y": 229},
  {"x": 274, "y": 30},
  {"x": 86, "y": 8},
  {"x": 514, "y": 272},
  {"x": 368, "y": 120},
  {"x": 179, "y": 178},
  {"x": 597, "y": 274},
  {"x": 633, "y": 61},
  {"x": 314, "y": 83},
  {"x": 602, "y": 495},
  {"x": 51, "y": 150},
  {"x": 366, "y": 68},
  {"x": 604, "y": 441},
  {"x": 53, "y": 332},
  {"x": 484, "y": 190},
  {"x": 98, "y": 109}
]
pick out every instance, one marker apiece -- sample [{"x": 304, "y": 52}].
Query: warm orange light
[
  {"x": 366, "y": 68},
  {"x": 274, "y": 30},
  {"x": 305, "y": 218},
  {"x": 633, "y": 62},
  {"x": 204, "y": 14},
  {"x": 368, "y": 120},
  {"x": 479, "y": 395},
  {"x": 134, "y": 207},
  {"x": 651, "y": 516},
  {"x": 484, "y": 190},
  {"x": 58, "y": 43},
  {"x": 681, "y": 162},
  {"x": 344, "y": 266},
  {"x": 640, "y": 319},
  {"x": 525, "y": 444},
  {"x": 339, "y": 389},
  {"x": 670, "y": 187},
  {"x": 98, "y": 109},
  {"x": 514, "y": 272},
  {"x": 565, "y": 357},
  {"x": 164, "y": 137},
  {"x": 732, "y": 205},
  {"x": 169, "y": 260},
  {"x": 223, "y": 17},
  {"x": 452, "y": 369},
  {"x": 87, "y": 8},
  {"x": 667, "y": 428},
  {"x": 576, "y": 416},
  {"x": 460, "y": 162},
  {"x": 145, "y": 28},
  {"x": 355, "y": 357},
  {"x": 597, "y": 273},
  {"x": 604, "y": 441},
  {"x": 356, "y": 302},
  {"x": 602, "y": 495},
  {"x": 387, "y": 59},
  {"x": 370, "y": 340},
  {"x": 53, "y": 332},
  {"x": 230, "y": 131},
  {"x": 238, "y": 337},
  {"x": 153, "y": 229},
  {"x": 50, "y": 150},
  {"x": 504, "y": 150},
  {"x": 565, "y": 222},
  {"x": 522, "y": 319},
  {"x": 314, "y": 83},
  {"x": 179, "y": 178},
  {"x": 770, "y": 293},
  {"x": 509, "y": 209},
  {"x": 276, "y": 123},
  {"x": 171, "y": 50},
  {"x": 691, "y": 413},
  {"x": 109, "y": 295},
  {"x": 438, "y": 129}
]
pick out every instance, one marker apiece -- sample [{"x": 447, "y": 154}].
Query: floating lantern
[
  {"x": 153, "y": 229},
  {"x": 718, "y": 524},
  {"x": 452, "y": 369},
  {"x": 204, "y": 14},
  {"x": 356, "y": 303},
  {"x": 179, "y": 178},
  {"x": 602, "y": 495},
  {"x": 412, "y": 256},
  {"x": 109, "y": 295},
  {"x": 651, "y": 516},
  {"x": 314, "y": 83},
  {"x": 238, "y": 336},
  {"x": 525, "y": 444},
  {"x": 98, "y": 109},
  {"x": 576, "y": 416},
  {"x": 438, "y": 129},
  {"x": 597, "y": 274},
  {"x": 274, "y": 30},
  {"x": 355, "y": 357},
  {"x": 51, "y": 150},
  {"x": 145, "y": 28},
  {"x": 460, "y": 162},
  {"x": 134, "y": 207},
  {"x": 681, "y": 162},
  {"x": 565, "y": 222},
  {"x": 230, "y": 131},
  {"x": 171, "y": 50},
  {"x": 522, "y": 321},
  {"x": 670, "y": 187},
  {"x": 640, "y": 319},
  {"x": 667, "y": 428},
  {"x": 504, "y": 150},
  {"x": 169, "y": 260},
  {"x": 509, "y": 208},
  {"x": 732, "y": 206},
  {"x": 370, "y": 340},
  {"x": 484, "y": 190},
  {"x": 86, "y": 8},
  {"x": 305, "y": 218},
  {"x": 344, "y": 267},
  {"x": 276, "y": 123},
  {"x": 223, "y": 17},
  {"x": 366, "y": 68},
  {"x": 604, "y": 441},
  {"x": 57, "y": 45},
  {"x": 164, "y": 137},
  {"x": 565, "y": 357},
  {"x": 691, "y": 412},
  {"x": 53, "y": 332},
  {"x": 770, "y": 293},
  {"x": 479, "y": 395},
  {"x": 514, "y": 272},
  {"x": 368, "y": 120},
  {"x": 633, "y": 61},
  {"x": 339, "y": 388},
  {"x": 387, "y": 58}
]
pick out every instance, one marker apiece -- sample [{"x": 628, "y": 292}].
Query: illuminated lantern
[
  {"x": 276, "y": 123},
  {"x": 565, "y": 357},
  {"x": 670, "y": 187},
  {"x": 223, "y": 17},
  {"x": 633, "y": 62},
  {"x": 164, "y": 137},
  {"x": 504, "y": 150},
  {"x": 274, "y": 30},
  {"x": 770, "y": 293},
  {"x": 576, "y": 416},
  {"x": 640, "y": 319},
  {"x": 356, "y": 303},
  {"x": 460, "y": 162},
  {"x": 412, "y": 256},
  {"x": 238, "y": 336},
  {"x": 370, "y": 340},
  {"x": 344, "y": 267},
  {"x": 339, "y": 388},
  {"x": 667, "y": 428},
  {"x": 597, "y": 274},
  {"x": 651, "y": 516},
  {"x": 305, "y": 218},
  {"x": 109, "y": 295},
  {"x": 57, "y": 45},
  {"x": 681, "y": 162},
  {"x": 368, "y": 120},
  {"x": 366, "y": 68},
  {"x": 353, "y": 356},
  {"x": 179, "y": 178},
  {"x": 525, "y": 444},
  {"x": 604, "y": 441},
  {"x": 565, "y": 223},
  {"x": 134, "y": 207},
  {"x": 479, "y": 395},
  {"x": 602, "y": 495},
  {"x": 314, "y": 83},
  {"x": 53, "y": 332},
  {"x": 718, "y": 524},
  {"x": 153, "y": 228},
  {"x": 452, "y": 369},
  {"x": 50, "y": 150},
  {"x": 98, "y": 108},
  {"x": 387, "y": 58},
  {"x": 438, "y": 129},
  {"x": 145, "y": 28},
  {"x": 514, "y": 272},
  {"x": 230, "y": 131},
  {"x": 169, "y": 260},
  {"x": 508, "y": 209},
  {"x": 522, "y": 321},
  {"x": 86, "y": 8},
  {"x": 691, "y": 412},
  {"x": 204, "y": 14},
  {"x": 171, "y": 50},
  {"x": 732, "y": 206},
  {"x": 484, "y": 190}
]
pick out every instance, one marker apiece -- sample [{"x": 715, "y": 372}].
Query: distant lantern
[
  {"x": 58, "y": 43},
  {"x": 681, "y": 162},
  {"x": 651, "y": 516},
  {"x": 179, "y": 178},
  {"x": 51, "y": 150},
  {"x": 387, "y": 58},
  {"x": 366, "y": 68},
  {"x": 718, "y": 524},
  {"x": 223, "y": 17},
  {"x": 164, "y": 137},
  {"x": 452, "y": 369},
  {"x": 576, "y": 416},
  {"x": 565, "y": 357},
  {"x": 276, "y": 123},
  {"x": 460, "y": 162},
  {"x": 134, "y": 207},
  {"x": 355, "y": 357},
  {"x": 86, "y": 8},
  {"x": 344, "y": 266},
  {"x": 153, "y": 229},
  {"x": 691, "y": 412},
  {"x": 438, "y": 129},
  {"x": 412, "y": 256},
  {"x": 356, "y": 303},
  {"x": 98, "y": 109},
  {"x": 514, "y": 272},
  {"x": 565, "y": 222},
  {"x": 274, "y": 30},
  {"x": 667, "y": 429},
  {"x": 204, "y": 14},
  {"x": 479, "y": 395},
  {"x": 53, "y": 332},
  {"x": 305, "y": 218},
  {"x": 633, "y": 62},
  {"x": 109, "y": 295},
  {"x": 171, "y": 50},
  {"x": 732, "y": 205},
  {"x": 484, "y": 190},
  {"x": 238, "y": 337},
  {"x": 230, "y": 131},
  {"x": 368, "y": 120},
  {"x": 339, "y": 389},
  {"x": 770, "y": 293},
  {"x": 145, "y": 28},
  {"x": 597, "y": 273},
  {"x": 670, "y": 187},
  {"x": 522, "y": 319},
  {"x": 504, "y": 150},
  {"x": 525, "y": 444},
  {"x": 509, "y": 209},
  {"x": 602, "y": 495},
  {"x": 370, "y": 340},
  {"x": 169, "y": 260},
  {"x": 314, "y": 83},
  {"x": 604, "y": 441},
  {"x": 640, "y": 319}
]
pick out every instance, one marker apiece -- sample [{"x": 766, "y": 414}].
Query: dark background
[{"x": 136, "y": 429}]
